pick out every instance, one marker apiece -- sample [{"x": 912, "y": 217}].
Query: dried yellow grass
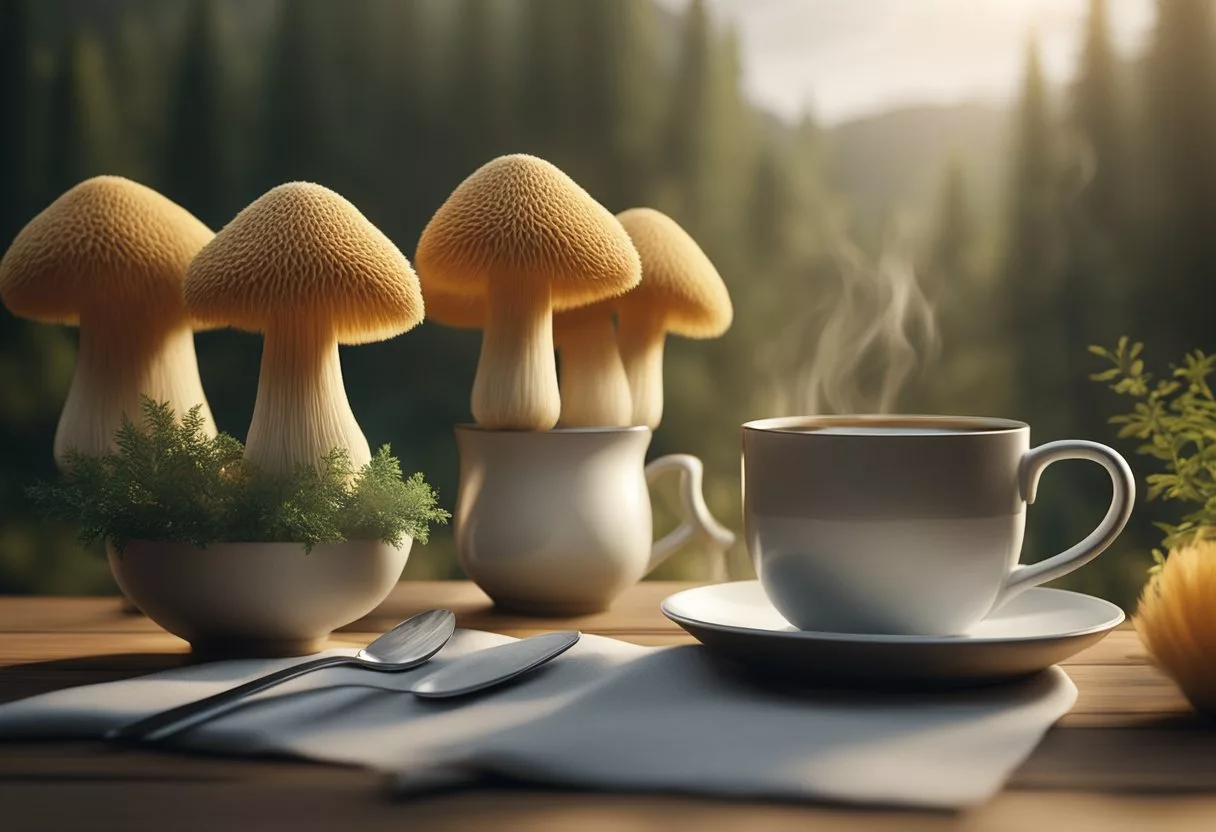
[{"x": 1176, "y": 621}]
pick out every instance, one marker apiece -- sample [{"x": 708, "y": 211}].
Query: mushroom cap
[
  {"x": 300, "y": 254},
  {"x": 107, "y": 244},
  {"x": 456, "y": 311},
  {"x": 520, "y": 220},
  {"x": 462, "y": 312},
  {"x": 591, "y": 311},
  {"x": 679, "y": 282}
]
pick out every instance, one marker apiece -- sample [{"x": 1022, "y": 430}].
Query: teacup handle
[
  {"x": 697, "y": 521},
  {"x": 1123, "y": 496}
]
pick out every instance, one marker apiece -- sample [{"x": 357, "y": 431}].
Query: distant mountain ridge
[{"x": 894, "y": 161}]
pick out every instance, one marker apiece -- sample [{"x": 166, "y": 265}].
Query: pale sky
[{"x": 847, "y": 58}]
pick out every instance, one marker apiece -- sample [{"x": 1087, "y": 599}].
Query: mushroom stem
[
  {"x": 592, "y": 380},
  {"x": 516, "y": 383},
  {"x": 301, "y": 412},
  {"x": 642, "y": 339},
  {"x": 118, "y": 362}
]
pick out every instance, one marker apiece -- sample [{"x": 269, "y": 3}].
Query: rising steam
[{"x": 871, "y": 330}]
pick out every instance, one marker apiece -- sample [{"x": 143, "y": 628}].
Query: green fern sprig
[{"x": 167, "y": 480}]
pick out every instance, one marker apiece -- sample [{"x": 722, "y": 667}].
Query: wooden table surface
[{"x": 1129, "y": 756}]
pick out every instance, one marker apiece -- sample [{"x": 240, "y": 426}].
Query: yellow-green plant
[{"x": 1175, "y": 418}]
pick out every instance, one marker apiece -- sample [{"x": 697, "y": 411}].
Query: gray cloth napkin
[{"x": 605, "y": 715}]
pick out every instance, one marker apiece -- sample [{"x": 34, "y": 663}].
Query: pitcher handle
[
  {"x": 1123, "y": 488},
  {"x": 696, "y": 520}
]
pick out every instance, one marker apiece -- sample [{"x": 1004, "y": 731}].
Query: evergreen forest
[{"x": 977, "y": 291}]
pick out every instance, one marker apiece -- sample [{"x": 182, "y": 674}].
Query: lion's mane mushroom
[
  {"x": 522, "y": 235},
  {"x": 592, "y": 379},
  {"x": 455, "y": 311},
  {"x": 109, "y": 256},
  {"x": 304, "y": 267},
  {"x": 681, "y": 293}
]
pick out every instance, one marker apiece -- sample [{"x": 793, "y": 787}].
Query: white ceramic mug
[
  {"x": 559, "y": 522},
  {"x": 907, "y": 525}
]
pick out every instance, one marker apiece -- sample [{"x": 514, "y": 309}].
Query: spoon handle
[{"x": 162, "y": 725}]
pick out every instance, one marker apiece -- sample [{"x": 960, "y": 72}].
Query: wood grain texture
[
  {"x": 1130, "y": 755},
  {"x": 636, "y": 611}
]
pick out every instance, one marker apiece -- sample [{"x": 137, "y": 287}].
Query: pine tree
[
  {"x": 785, "y": 209},
  {"x": 1101, "y": 250},
  {"x": 951, "y": 277},
  {"x": 1098, "y": 115},
  {"x": 707, "y": 153},
  {"x": 360, "y": 58},
  {"x": 476, "y": 103},
  {"x": 1032, "y": 263},
  {"x": 16, "y": 85},
  {"x": 1033, "y": 244},
  {"x": 197, "y": 174},
  {"x": 782, "y": 235},
  {"x": 619, "y": 100},
  {"x": 1180, "y": 133},
  {"x": 407, "y": 132},
  {"x": 708, "y": 157},
  {"x": 359, "y": 95},
  {"x": 690, "y": 115},
  {"x": 142, "y": 92},
  {"x": 297, "y": 133},
  {"x": 35, "y": 359},
  {"x": 770, "y": 206},
  {"x": 803, "y": 172},
  {"x": 951, "y": 267},
  {"x": 971, "y": 371},
  {"x": 83, "y": 115},
  {"x": 545, "y": 93}
]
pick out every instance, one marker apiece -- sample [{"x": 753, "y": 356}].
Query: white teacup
[
  {"x": 907, "y": 525},
  {"x": 559, "y": 522}
]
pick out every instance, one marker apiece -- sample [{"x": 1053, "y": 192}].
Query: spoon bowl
[
  {"x": 409, "y": 643},
  {"x": 493, "y": 667}
]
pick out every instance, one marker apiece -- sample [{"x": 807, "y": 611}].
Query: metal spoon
[
  {"x": 494, "y": 666},
  {"x": 404, "y": 647}
]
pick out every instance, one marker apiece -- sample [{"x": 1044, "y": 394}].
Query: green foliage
[
  {"x": 1175, "y": 419},
  {"x": 167, "y": 480}
]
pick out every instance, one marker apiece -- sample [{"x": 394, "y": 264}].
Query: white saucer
[{"x": 1034, "y": 631}]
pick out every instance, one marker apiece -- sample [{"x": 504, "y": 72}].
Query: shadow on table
[
  {"x": 21, "y": 680},
  {"x": 459, "y": 784}
]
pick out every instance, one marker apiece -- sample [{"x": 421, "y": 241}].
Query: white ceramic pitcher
[{"x": 559, "y": 522}]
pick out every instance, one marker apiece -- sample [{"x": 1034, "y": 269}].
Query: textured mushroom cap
[
  {"x": 460, "y": 312},
  {"x": 109, "y": 245},
  {"x": 300, "y": 254},
  {"x": 518, "y": 219},
  {"x": 456, "y": 311},
  {"x": 679, "y": 283},
  {"x": 565, "y": 318}
]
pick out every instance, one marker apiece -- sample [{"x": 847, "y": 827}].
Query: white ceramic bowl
[{"x": 257, "y": 599}]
